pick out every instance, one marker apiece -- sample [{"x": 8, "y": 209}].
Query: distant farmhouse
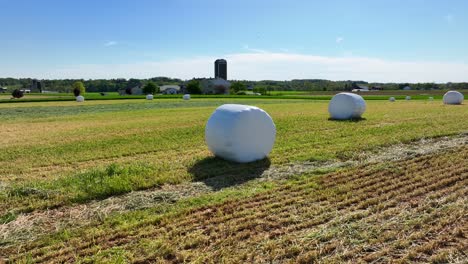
[
  {"x": 170, "y": 89},
  {"x": 3, "y": 89},
  {"x": 407, "y": 88},
  {"x": 363, "y": 88},
  {"x": 360, "y": 88},
  {"x": 219, "y": 84},
  {"x": 215, "y": 86}
]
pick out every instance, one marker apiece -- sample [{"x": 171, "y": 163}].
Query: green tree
[
  {"x": 193, "y": 87},
  {"x": 260, "y": 89},
  {"x": 237, "y": 87},
  {"x": 150, "y": 88},
  {"x": 78, "y": 88},
  {"x": 133, "y": 83}
]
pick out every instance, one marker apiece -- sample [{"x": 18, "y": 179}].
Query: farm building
[
  {"x": 407, "y": 88},
  {"x": 3, "y": 89},
  {"x": 215, "y": 86},
  {"x": 361, "y": 88},
  {"x": 170, "y": 89}
]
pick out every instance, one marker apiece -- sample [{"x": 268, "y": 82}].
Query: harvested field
[
  {"x": 413, "y": 210},
  {"x": 132, "y": 181}
]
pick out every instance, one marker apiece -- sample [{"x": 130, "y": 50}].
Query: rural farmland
[{"x": 132, "y": 181}]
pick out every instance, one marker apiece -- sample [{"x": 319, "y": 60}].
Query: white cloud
[
  {"x": 110, "y": 43},
  {"x": 268, "y": 65},
  {"x": 339, "y": 40}
]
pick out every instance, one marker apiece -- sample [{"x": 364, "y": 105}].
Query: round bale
[
  {"x": 80, "y": 98},
  {"x": 408, "y": 97},
  {"x": 453, "y": 98},
  {"x": 186, "y": 97},
  {"x": 240, "y": 133},
  {"x": 391, "y": 99},
  {"x": 149, "y": 97},
  {"x": 431, "y": 98},
  {"x": 345, "y": 106}
]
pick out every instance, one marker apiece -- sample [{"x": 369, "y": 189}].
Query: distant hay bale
[
  {"x": 240, "y": 133},
  {"x": 80, "y": 98},
  {"x": 391, "y": 99},
  {"x": 431, "y": 98},
  {"x": 149, "y": 97},
  {"x": 186, "y": 97},
  {"x": 408, "y": 98},
  {"x": 453, "y": 98},
  {"x": 345, "y": 106}
]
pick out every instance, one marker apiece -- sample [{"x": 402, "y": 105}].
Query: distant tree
[
  {"x": 78, "y": 88},
  {"x": 150, "y": 88},
  {"x": 402, "y": 85},
  {"x": 17, "y": 93},
  {"x": 133, "y": 83},
  {"x": 237, "y": 86},
  {"x": 128, "y": 90},
  {"x": 193, "y": 87},
  {"x": 260, "y": 89}
]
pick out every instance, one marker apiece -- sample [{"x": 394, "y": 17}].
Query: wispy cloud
[
  {"x": 339, "y": 40},
  {"x": 247, "y": 48},
  {"x": 276, "y": 66},
  {"x": 110, "y": 43},
  {"x": 449, "y": 18}
]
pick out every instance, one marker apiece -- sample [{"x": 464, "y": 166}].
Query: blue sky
[{"x": 374, "y": 40}]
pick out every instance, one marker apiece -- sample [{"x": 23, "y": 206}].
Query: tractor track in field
[
  {"x": 410, "y": 210},
  {"x": 30, "y": 226}
]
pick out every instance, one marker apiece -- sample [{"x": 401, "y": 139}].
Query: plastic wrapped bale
[
  {"x": 80, "y": 98},
  {"x": 408, "y": 97},
  {"x": 149, "y": 97},
  {"x": 431, "y": 98},
  {"x": 391, "y": 99},
  {"x": 453, "y": 98},
  {"x": 345, "y": 106},
  {"x": 186, "y": 97},
  {"x": 240, "y": 133}
]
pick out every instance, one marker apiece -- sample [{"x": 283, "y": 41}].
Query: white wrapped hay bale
[
  {"x": 240, "y": 133},
  {"x": 80, "y": 98},
  {"x": 186, "y": 97},
  {"x": 431, "y": 98},
  {"x": 391, "y": 99},
  {"x": 149, "y": 97},
  {"x": 346, "y": 106},
  {"x": 408, "y": 98},
  {"x": 453, "y": 98}
]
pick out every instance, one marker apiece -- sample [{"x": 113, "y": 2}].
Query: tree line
[{"x": 113, "y": 85}]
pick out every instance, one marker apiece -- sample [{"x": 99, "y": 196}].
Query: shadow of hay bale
[
  {"x": 218, "y": 173},
  {"x": 348, "y": 120}
]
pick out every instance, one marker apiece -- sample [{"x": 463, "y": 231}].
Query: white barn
[{"x": 170, "y": 89}]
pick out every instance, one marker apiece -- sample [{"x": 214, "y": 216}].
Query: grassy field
[
  {"x": 62, "y": 154},
  {"x": 310, "y": 95},
  {"x": 375, "y": 93}
]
